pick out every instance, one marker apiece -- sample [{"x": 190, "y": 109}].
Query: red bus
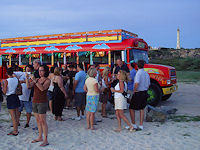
[{"x": 102, "y": 47}]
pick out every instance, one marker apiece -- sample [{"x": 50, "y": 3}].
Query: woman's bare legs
[
  {"x": 44, "y": 126},
  {"x": 39, "y": 128},
  {"x": 88, "y": 120},
  {"x": 14, "y": 120},
  {"x": 92, "y": 120},
  {"x": 121, "y": 113},
  {"x": 118, "y": 121}
]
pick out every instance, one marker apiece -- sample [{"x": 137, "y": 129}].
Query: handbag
[{"x": 18, "y": 90}]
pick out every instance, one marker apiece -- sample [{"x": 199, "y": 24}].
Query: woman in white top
[
  {"x": 120, "y": 100},
  {"x": 13, "y": 103},
  {"x": 104, "y": 96},
  {"x": 92, "y": 89}
]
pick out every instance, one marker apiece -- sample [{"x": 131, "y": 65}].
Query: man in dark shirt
[{"x": 121, "y": 66}]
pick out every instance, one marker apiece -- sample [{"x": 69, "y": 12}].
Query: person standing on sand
[
  {"x": 139, "y": 99},
  {"x": 80, "y": 94},
  {"x": 59, "y": 95},
  {"x": 119, "y": 100},
  {"x": 40, "y": 101},
  {"x": 91, "y": 87},
  {"x": 9, "y": 89}
]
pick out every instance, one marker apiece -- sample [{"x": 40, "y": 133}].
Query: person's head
[
  {"x": 44, "y": 71},
  {"x": 29, "y": 68},
  {"x": 10, "y": 72},
  {"x": 79, "y": 66},
  {"x": 131, "y": 66},
  {"x": 91, "y": 66},
  {"x": 119, "y": 62},
  {"x": 141, "y": 64},
  {"x": 122, "y": 75},
  {"x": 92, "y": 72},
  {"x": 57, "y": 71},
  {"x": 106, "y": 71},
  {"x": 36, "y": 64}
]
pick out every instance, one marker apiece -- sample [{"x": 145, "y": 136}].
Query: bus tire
[
  {"x": 166, "y": 97},
  {"x": 154, "y": 94}
]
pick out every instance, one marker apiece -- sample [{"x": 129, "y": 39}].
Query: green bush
[{"x": 190, "y": 64}]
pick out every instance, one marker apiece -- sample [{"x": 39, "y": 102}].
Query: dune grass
[{"x": 188, "y": 76}]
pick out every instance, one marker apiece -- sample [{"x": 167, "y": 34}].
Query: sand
[{"x": 72, "y": 135}]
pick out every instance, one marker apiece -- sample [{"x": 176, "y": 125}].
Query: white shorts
[{"x": 120, "y": 103}]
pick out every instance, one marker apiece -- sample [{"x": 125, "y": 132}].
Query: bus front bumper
[{"x": 169, "y": 90}]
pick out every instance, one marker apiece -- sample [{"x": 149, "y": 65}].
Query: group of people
[{"x": 56, "y": 89}]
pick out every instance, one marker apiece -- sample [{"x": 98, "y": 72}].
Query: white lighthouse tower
[{"x": 178, "y": 39}]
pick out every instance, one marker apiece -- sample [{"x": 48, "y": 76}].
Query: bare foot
[{"x": 117, "y": 130}]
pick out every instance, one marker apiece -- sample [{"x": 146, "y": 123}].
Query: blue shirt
[
  {"x": 80, "y": 77},
  {"x": 143, "y": 79},
  {"x": 132, "y": 76}
]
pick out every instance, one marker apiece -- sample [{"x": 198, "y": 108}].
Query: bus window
[
  {"x": 85, "y": 59},
  {"x": 136, "y": 55}
]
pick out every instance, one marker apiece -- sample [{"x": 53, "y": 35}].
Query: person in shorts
[
  {"x": 139, "y": 99},
  {"x": 25, "y": 102},
  {"x": 9, "y": 89},
  {"x": 40, "y": 101},
  {"x": 80, "y": 95}
]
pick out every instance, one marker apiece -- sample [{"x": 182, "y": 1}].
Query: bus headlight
[{"x": 168, "y": 81}]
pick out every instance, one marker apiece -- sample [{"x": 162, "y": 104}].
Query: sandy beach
[{"x": 72, "y": 135}]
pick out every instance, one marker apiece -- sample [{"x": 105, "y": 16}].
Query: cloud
[
  {"x": 75, "y": 47},
  {"x": 52, "y": 48},
  {"x": 101, "y": 46},
  {"x": 29, "y": 50},
  {"x": 10, "y": 51}
]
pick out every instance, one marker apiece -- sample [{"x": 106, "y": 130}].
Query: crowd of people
[{"x": 54, "y": 89}]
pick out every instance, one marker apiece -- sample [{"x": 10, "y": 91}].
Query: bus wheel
[
  {"x": 155, "y": 94},
  {"x": 166, "y": 97}
]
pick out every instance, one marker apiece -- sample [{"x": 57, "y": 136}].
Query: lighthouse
[{"x": 178, "y": 39}]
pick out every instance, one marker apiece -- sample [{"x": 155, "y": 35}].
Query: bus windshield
[{"x": 136, "y": 55}]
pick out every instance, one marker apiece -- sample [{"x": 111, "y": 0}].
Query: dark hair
[
  {"x": 29, "y": 66},
  {"x": 133, "y": 65},
  {"x": 46, "y": 70},
  {"x": 10, "y": 71},
  {"x": 96, "y": 65},
  {"x": 52, "y": 69},
  {"x": 71, "y": 66},
  {"x": 80, "y": 65},
  {"x": 141, "y": 63}
]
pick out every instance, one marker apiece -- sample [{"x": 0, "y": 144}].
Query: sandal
[
  {"x": 14, "y": 134},
  {"x": 132, "y": 129},
  {"x": 44, "y": 144},
  {"x": 35, "y": 141}
]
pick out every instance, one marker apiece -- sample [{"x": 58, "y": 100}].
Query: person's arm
[
  {"x": 135, "y": 87},
  {"x": 75, "y": 82},
  {"x": 96, "y": 88},
  {"x": 85, "y": 88},
  {"x": 29, "y": 83},
  {"x": 43, "y": 87},
  {"x": 4, "y": 86},
  {"x": 121, "y": 87},
  {"x": 60, "y": 84}
]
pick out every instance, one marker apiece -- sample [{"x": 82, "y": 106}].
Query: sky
[{"x": 155, "y": 21}]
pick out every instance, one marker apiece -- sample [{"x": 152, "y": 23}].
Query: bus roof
[{"x": 105, "y": 40}]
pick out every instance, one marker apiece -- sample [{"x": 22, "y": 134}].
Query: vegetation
[
  {"x": 184, "y": 118},
  {"x": 188, "y": 76},
  {"x": 189, "y": 64}
]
